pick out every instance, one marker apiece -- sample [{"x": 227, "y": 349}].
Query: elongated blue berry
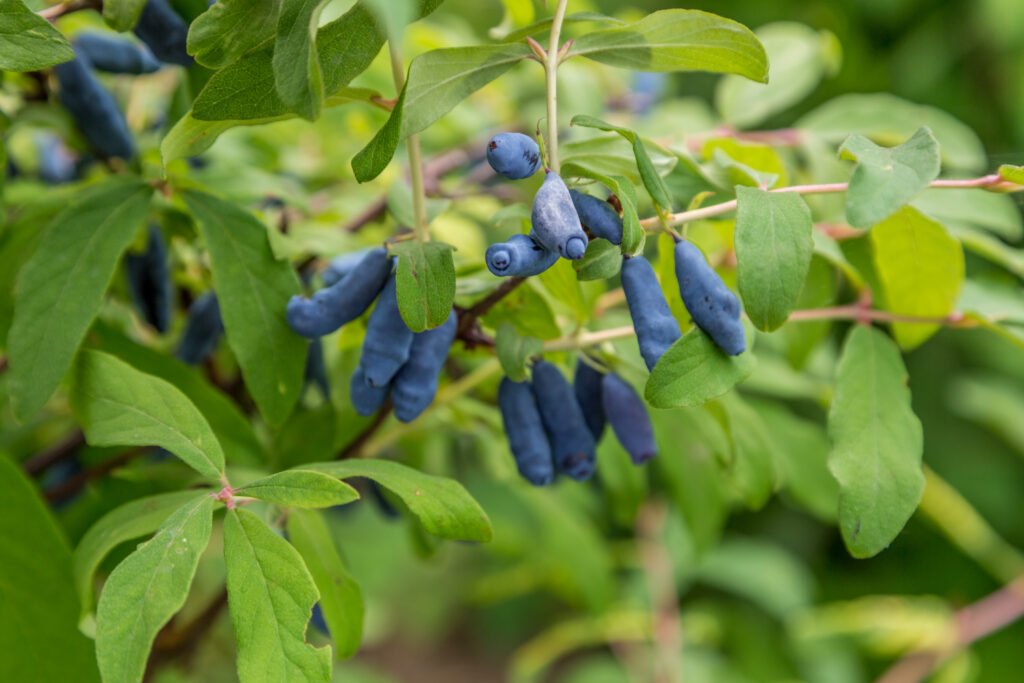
[
  {"x": 316, "y": 371},
  {"x": 342, "y": 302},
  {"x": 513, "y": 155},
  {"x": 388, "y": 340},
  {"x": 572, "y": 444},
  {"x": 149, "y": 279},
  {"x": 521, "y": 256},
  {"x": 366, "y": 399},
  {"x": 115, "y": 55},
  {"x": 628, "y": 416},
  {"x": 713, "y": 307},
  {"x": 656, "y": 328},
  {"x": 56, "y": 163},
  {"x": 164, "y": 32},
  {"x": 555, "y": 222},
  {"x": 94, "y": 109},
  {"x": 597, "y": 216},
  {"x": 416, "y": 383},
  {"x": 587, "y": 387},
  {"x": 342, "y": 265},
  {"x": 203, "y": 330},
  {"x": 525, "y": 432}
]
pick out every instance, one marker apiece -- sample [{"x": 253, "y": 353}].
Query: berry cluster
[
  {"x": 92, "y": 106},
  {"x": 395, "y": 361}
]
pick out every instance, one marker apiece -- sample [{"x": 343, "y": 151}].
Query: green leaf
[
  {"x": 752, "y": 469},
  {"x": 693, "y": 371},
  {"x": 1012, "y": 174},
  {"x": 801, "y": 340},
  {"x": 601, "y": 261},
  {"x": 437, "y": 81},
  {"x": 763, "y": 572},
  {"x": 800, "y": 58},
  {"x": 633, "y": 235},
  {"x": 885, "y": 180},
  {"x": 61, "y": 287},
  {"x": 921, "y": 268},
  {"x": 545, "y": 24},
  {"x": 147, "y": 589},
  {"x": 297, "y": 73},
  {"x": 527, "y": 309},
  {"x": 440, "y": 79},
  {"x": 341, "y": 599},
  {"x": 231, "y": 28},
  {"x": 132, "y": 520},
  {"x": 300, "y": 489},
  {"x": 119, "y": 406},
  {"x": 990, "y": 211},
  {"x": 649, "y": 175},
  {"x": 244, "y": 90},
  {"x": 678, "y": 40},
  {"x": 253, "y": 288},
  {"x": 605, "y": 156},
  {"x": 271, "y": 596},
  {"x": 232, "y": 428},
  {"x": 773, "y": 253},
  {"x": 30, "y": 42},
  {"x": 122, "y": 15},
  {"x": 38, "y": 606},
  {"x": 876, "y": 442},
  {"x": 992, "y": 402},
  {"x": 442, "y": 506},
  {"x": 835, "y": 120},
  {"x": 426, "y": 283},
  {"x": 515, "y": 351}
]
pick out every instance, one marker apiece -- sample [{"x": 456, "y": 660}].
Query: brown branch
[
  {"x": 469, "y": 316},
  {"x": 54, "y": 13},
  {"x": 68, "y": 488},
  {"x": 352, "y": 448},
  {"x": 45, "y": 459},
  {"x": 973, "y": 622}
]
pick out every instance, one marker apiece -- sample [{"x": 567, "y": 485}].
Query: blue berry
[
  {"x": 94, "y": 109},
  {"x": 628, "y": 416},
  {"x": 56, "y": 163},
  {"x": 572, "y": 444},
  {"x": 416, "y": 383},
  {"x": 587, "y": 386},
  {"x": 521, "y": 256},
  {"x": 149, "y": 279},
  {"x": 115, "y": 55},
  {"x": 525, "y": 432},
  {"x": 656, "y": 328},
  {"x": 388, "y": 340},
  {"x": 316, "y": 371},
  {"x": 165, "y": 32},
  {"x": 513, "y": 155},
  {"x": 713, "y": 307},
  {"x": 342, "y": 265},
  {"x": 366, "y": 399},
  {"x": 343, "y": 301},
  {"x": 555, "y": 222},
  {"x": 597, "y": 216},
  {"x": 203, "y": 330}
]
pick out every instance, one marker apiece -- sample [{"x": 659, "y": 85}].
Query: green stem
[
  {"x": 989, "y": 181},
  {"x": 412, "y": 144},
  {"x": 965, "y": 528},
  {"x": 551, "y": 75}
]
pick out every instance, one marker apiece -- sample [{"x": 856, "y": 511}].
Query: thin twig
[
  {"x": 468, "y": 317},
  {"x": 61, "y": 450},
  {"x": 352, "y": 449},
  {"x": 551, "y": 79},
  {"x": 68, "y": 488},
  {"x": 973, "y": 622},
  {"x": 54, "y": 13},
  {"x": 666, "y": 634},
  {"x": 989, "y": 181}
]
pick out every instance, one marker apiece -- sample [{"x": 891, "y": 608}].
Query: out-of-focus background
[{"x": 563, "y": 592}]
